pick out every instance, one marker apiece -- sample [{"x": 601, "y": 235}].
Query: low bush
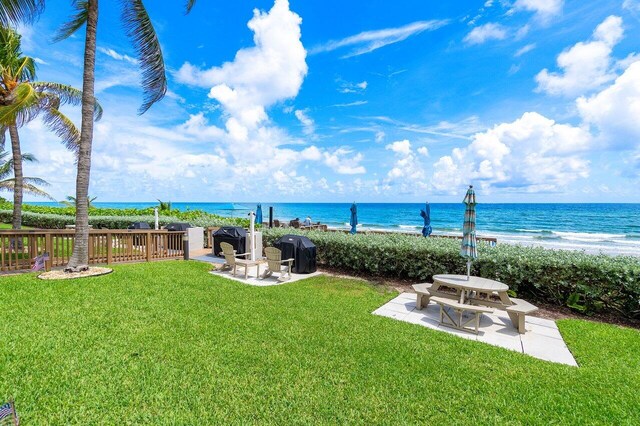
[
  {"x": 194, "y": 217},
  {"x": 59, "y": 221},
  {"x": 587, "y": 283}
]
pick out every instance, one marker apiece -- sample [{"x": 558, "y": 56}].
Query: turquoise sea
[{"x": 610, "y": 228}]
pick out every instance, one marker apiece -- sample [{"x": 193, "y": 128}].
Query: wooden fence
[{"x": 18, "y": 249}]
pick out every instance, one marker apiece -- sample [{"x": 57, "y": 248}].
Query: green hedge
[
  {"x": 58, "y": 221},
  {"x": 195, "y": 217},
  {"x": 587, "y": 283}
]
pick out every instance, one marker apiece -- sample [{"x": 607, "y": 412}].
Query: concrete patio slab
[
  {"x": 252, "y": 278},
  {"x": 260, "y": 282},
  {"x": 542, "y": 339}
]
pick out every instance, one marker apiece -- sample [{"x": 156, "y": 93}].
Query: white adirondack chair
[
  {"x": 275, "y": 264},
  {"x": 230, "y": 257}
]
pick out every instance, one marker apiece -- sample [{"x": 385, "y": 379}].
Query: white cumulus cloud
[
  {"x": 632, "y": 5},
  {"x": 271, "y": 71},
  {"x": 407, "y": 174},
  {"x": 308, "y": 125},
  {"x": 341, "y": 163},
  {"x": 586, "y": 65},
  {"x": 486, "y": 32},
  {"x": 615, "y": 111},
  {"x": 530, "y": 154},
  {"x": 543, "y": 9}
]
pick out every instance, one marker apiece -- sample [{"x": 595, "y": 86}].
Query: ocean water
[{"x": 607, "y": 228}]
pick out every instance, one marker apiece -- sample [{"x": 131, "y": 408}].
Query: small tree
[
  {"x": 164, "y": 206},
  {"x": 29, "y": 184},
  {"x": 71, "y": 201}
]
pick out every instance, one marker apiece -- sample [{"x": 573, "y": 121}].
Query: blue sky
[{"x": 529, "y": 100}]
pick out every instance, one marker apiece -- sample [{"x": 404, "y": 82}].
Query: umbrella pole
[
  {"x": 468, "y": 269},
  {"x": 252, "y": 234}
]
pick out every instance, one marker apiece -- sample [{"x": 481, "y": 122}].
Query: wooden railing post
[
  {"x": 91, "y": 248},
  {"x": 48, "y": 248},
  {"x": 109, "y": 248},
  {"x": 148, "y": 246}
]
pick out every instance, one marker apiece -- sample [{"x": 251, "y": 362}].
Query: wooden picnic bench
[
  {"x": 518, "y": 311},
  {"x": 423, "y": 294},
  {"x": 460, "y": 308}
]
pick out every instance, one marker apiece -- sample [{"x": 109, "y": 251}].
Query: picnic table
[
  {"x": 471, "y": 292},
  {"x": 474, "y": 290}
]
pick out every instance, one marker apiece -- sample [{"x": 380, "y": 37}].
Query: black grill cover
[
  {"x": 234, "y": 235},
  {"x": 177, "y": 226},
  {"x": 301, "y": 249},
  {"x": 139, "y": 225}
]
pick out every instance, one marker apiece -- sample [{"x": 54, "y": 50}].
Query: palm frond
[
  {"x": 36, "y": 181},
  {"x": 145, "y": 41},
  {"x": 19, "y": 11},
  {"x": 6, "y": 168},
  {"x": 26, "y": 70},
  {"x": 20, "y": 108},
  {"x": 189, "y": 5},
  {"x": 63, "y": 127},
  {"x": 67, "y": 95},
  {"x": 3, "y": 136},
  {"x": 29, "y": 158},
  {"x": 34, "y": 190},
  {"x": 77, "y": 20}
]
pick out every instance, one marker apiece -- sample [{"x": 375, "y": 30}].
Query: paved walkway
[{"x": 542, "y": 339}]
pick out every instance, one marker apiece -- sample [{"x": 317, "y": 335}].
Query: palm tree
[
  {"x": 71, "y": 201},
  {"x": 164, "y": 206},
  {"x": 8, "y": 183},
  {"x": 22, "y": 99},
  {"x": 140, "y": 31}
]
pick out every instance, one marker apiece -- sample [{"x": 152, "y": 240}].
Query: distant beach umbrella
[
  {"x": 426, "y": 215},
  {"x": 469, "y": 245},
  {"x": 259, "y": 214},
  {"x": 354, "y": 218}
]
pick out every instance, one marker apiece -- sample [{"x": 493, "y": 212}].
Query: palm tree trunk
[
  {"x": 80, "y": 257},
  {"x": 18, "y": 177}
]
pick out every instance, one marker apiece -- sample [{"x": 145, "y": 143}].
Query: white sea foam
[
  {"x": 409, "y": 227},
  {"x": 593, "y": 243},
  {"x": 585, "y": 236}
]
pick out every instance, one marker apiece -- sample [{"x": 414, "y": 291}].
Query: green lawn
[
  {"x": 168, "y": 343},
  {"x": 8, "y": 226}
]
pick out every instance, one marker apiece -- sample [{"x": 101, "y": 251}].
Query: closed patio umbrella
[
  {"x": 426, "y": 215},
  {"x": 469, "y": 245},
  {"x": 354, "y": 218},
  {"x": 259, "y": 214},
  {"x": 252, "y": 235}
]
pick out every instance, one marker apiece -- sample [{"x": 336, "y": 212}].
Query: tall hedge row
[
  {"x": 587, "y": 283},
  {"x": 59, "y": 221}
]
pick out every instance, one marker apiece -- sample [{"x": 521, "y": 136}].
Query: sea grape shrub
[
  {"x": 59, "y": 221},
  {"x": 195, "y": 217},
  {"x": 602, "y": 283}
]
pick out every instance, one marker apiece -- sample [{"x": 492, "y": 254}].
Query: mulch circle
[{"x": 94, "y": 271}]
